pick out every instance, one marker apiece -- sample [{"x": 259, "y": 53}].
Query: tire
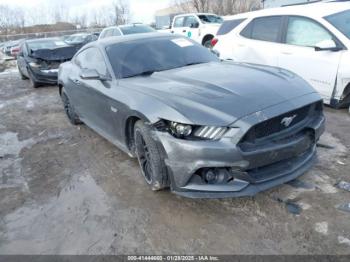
[
  {"x": 148, "y": 154},
  {"x": 33, "y": 83},
  {"x": 207, "y": 44},
  {"x": 69, "y": 110},
  {"x": 23, "y": 77}
]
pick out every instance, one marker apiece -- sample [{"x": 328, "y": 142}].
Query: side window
[
  {"x": 116, "y": 32},
  {"x": 179, "y": 22},
  {"x": 305, "y": 32},
  {"x": 264, "y": 29},
  {"x": 229, "y": 25},
  {"x": 103, "y": 34},
  {"x": 92, "y": 58},
  {"x": 189, "y": 21},
  {"x": 109, "y": 33}
]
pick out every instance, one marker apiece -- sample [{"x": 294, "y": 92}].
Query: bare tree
[
  {"x": 120, "y": 12},
  {"x": 220, "y": 7}
]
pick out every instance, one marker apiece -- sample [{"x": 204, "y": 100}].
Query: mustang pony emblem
[{"x": 288, "y": 120}]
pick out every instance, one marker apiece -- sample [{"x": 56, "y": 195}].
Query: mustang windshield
[
  {"x": 142, "y": 56},
  {"x": 341, "y": 21}
]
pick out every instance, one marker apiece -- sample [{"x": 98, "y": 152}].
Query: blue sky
[{"x": 141, "y": 10}]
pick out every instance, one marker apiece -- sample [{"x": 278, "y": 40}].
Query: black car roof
[{"x": 126, "y": 38}]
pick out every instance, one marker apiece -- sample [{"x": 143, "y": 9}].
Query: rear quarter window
[
  {"x": 229, "y": 25},
  {"x": 264, "y": 29}
]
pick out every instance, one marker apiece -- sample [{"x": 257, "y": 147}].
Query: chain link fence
[{"x": 4, "y": 38}]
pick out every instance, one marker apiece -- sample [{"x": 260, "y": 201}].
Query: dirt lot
[{"x": 66, "y": 190}]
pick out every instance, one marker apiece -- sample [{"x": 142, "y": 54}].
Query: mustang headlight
[
  {"x": 180, "y": 129},
  {"x": 193, "y": 132},
  {"x": 210, "y": 132}
]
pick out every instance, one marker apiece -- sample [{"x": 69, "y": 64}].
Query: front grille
[
  {"x": 280, "y": 168},
  {"x": 275, "y": 125}
]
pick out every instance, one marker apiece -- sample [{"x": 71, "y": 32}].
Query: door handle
[
  {"x": 287, "y": 53},
  {"x": 184, "y": 31}
]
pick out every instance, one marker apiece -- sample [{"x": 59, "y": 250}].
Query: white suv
[{"x": 311, "y": 40}]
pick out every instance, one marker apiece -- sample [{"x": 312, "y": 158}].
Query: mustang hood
[
  {"x": 222, "y": 92},
  {"x": 57, "y": 54}
]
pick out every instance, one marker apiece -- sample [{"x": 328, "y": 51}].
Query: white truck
[{"x": 201, "y": 27}]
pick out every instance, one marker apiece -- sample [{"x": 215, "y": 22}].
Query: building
[{"x": 279, "y": 3}]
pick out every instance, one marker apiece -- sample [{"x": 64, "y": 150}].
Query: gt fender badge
[
  {"x": 113, "y": 109},
  {"x": 288, "y": 120}
]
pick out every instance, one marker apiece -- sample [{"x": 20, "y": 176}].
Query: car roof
[
  {"x": 314, "y": 10},
  {"x": 127, "y": 38},
  {"x": 197, "y": 14},
  {"x": 126, "y": 25},
  {"x": 80, "y": 34}
]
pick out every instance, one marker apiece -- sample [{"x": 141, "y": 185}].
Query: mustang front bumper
[{"x": 245, "y": 171}]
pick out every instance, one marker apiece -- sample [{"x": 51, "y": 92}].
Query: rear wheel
[
  {"x": 69, "y": 109},
  {"x": 148, "y": 154},
  {"x": 207, "y": 44}
]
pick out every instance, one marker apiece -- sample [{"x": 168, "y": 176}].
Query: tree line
[
  {"x": 219, "y": 7},
  {"x": 18, "y": 20}
]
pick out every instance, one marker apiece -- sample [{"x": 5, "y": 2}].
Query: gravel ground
[{"x": 66, "y": 190}]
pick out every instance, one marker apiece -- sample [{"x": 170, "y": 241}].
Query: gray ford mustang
[{"x": 202, "y": 127}]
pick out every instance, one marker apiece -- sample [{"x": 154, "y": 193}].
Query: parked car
[
  {"x": 205, "y": 128},
  {"x": 39, "y": 59},
  {"x": 80, "y": 39},
  {"x": 16, "y": 49},
  {"x": 125, "y": 30},
  {"x": 11, "y": 44},
  {"x": 201, "y": 27},
  {"x": 312, "y": 40}
]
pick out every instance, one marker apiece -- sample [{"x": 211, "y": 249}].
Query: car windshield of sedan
[
  {"x": 45, "y": 44},
  {"x": 341, "y": 21},
  {"x": 211, "y": 19},
  {"x": 146, "y": 56},
  {"x": 128, "y": 30},
  {"x": 76, "y": 39}
]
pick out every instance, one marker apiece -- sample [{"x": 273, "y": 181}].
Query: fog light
[
  {"x": 216, "y": 176},
  {"x": 210, "y": 177}
]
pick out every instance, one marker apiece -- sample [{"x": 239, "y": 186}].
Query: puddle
[
  {"x": 10, "y": 145},
  {"x": 76, "y": 221}
]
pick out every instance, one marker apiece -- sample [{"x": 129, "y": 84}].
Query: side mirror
[
  {"x": 327, "y": 45},
  {"x": 194, "y": 25},
  {"x": 89, "y": 74}
]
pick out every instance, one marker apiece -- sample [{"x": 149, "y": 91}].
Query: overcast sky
[{"x": 141, "y": 10}]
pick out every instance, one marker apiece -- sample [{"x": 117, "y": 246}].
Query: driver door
[
  {"x": 299, "y": 55},
  {"x": 179, "y": 27},
  {"x": 92, "y": 96}
]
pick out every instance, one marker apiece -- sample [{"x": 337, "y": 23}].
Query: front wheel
[
  {"x": 23, "y": 77},
  {"x": 148, "y": 154},
  {"x": 33, "y": 83},
  {"x": 69, "y": 109}
]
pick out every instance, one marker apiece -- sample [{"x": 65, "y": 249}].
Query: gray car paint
[{"x": 215, "y": 94}]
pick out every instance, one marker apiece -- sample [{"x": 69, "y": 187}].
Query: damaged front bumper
[
  {"x": 44, "y": 76},
  {"x": 242, "y": 167}
]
